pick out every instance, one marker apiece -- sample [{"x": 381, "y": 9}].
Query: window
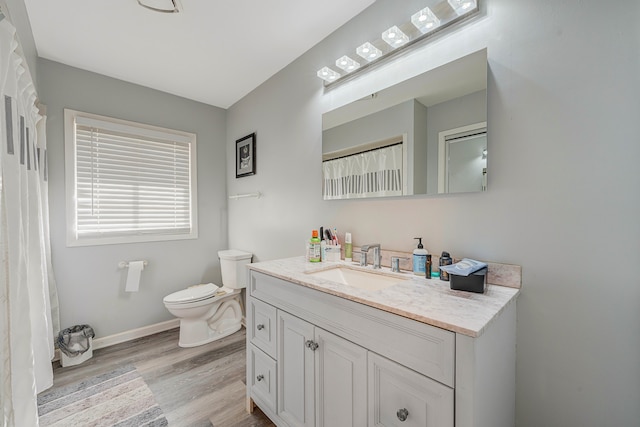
[{"x": 128, "y": 182}]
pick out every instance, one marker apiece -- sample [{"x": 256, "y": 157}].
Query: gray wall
[
  {"x": 90, "y": 285},
  {"x": 563, "y": 199}
]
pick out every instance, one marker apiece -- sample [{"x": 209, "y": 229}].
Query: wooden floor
[{"x": 199, "y": 386}]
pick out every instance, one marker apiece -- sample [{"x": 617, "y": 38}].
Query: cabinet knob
[
  {"x": 312, "y": 345},
  {"x": 402, "y": 414},
  {"x": 260, "y": 377},
  {"x": 260, "y": 327}
]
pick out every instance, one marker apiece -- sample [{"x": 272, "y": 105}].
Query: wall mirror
[{"x": 425, "y": 135}]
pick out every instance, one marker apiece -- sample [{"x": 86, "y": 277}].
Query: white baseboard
[
  {"x": 130, "y": 335},
  {"x": 134, "y": 334}
]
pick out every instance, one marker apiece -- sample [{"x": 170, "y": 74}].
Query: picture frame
[{"x": 246, "y": 156}]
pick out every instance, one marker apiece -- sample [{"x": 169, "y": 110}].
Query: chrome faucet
[{"x": 364, "y": 249}]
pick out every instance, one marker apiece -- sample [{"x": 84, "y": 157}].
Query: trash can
[{"x": 75, "y": 345}]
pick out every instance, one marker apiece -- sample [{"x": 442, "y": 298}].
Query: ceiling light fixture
[
  {"x": 425, "y": 20},
  {"x": 162, "y": 6},
  {"x": 394, "y": 37},
  {"x": 431, "y": 19}
]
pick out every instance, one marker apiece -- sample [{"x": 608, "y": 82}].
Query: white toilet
[{"x": 208, "y": 312}]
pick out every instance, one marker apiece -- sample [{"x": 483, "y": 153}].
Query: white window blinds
[{"x": 131, "y": 183}]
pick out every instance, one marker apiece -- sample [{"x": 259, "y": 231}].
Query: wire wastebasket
[{"x": 76, "y": 345}]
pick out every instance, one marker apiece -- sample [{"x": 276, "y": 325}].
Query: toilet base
[
  {"x": 226, "y": 321},
  {"x": 187, "y": 343}
]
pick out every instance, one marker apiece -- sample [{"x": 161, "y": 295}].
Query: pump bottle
[{"x": 420, "y": 259}]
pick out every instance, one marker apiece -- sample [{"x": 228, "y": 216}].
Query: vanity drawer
[
  {"x": 424, "y": 348},
  {"x": 262, "y": 327},
  {"x": 262, "y": 377},
  {"x": 401, "y": 397}
]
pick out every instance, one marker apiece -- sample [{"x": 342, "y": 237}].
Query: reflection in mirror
[{"x": 426, "y": 135}]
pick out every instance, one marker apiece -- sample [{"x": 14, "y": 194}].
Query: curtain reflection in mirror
[{"x": 372, "y": 173}]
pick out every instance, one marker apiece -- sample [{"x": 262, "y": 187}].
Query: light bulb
[
  {"x": 425, "y": 20},
  {"x": 347, "y": 63},
  {"x": 462, "y": 6},
  {"x": 327, "y": 74},
  {"x": 394, "y": 37},
  {"x": 368, "y": 51}
]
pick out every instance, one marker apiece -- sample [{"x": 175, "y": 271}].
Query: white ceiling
[{"x": 213, "y": 51}]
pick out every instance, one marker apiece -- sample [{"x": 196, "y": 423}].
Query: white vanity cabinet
[
  {"x": 316, "y": 359},
  {"x": 322, "y": 378},
  {"x": 400, "y": 397}
]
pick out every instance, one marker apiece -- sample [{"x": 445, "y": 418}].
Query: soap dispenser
[{"x": 420, "y": 259}]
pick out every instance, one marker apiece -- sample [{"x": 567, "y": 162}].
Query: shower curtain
[{"x": 27, "y": 288}]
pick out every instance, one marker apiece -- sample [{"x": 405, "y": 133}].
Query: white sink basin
[{"x": 358, "y": 278}]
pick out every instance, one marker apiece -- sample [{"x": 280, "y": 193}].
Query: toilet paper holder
[{"x": 125, "y": 264}]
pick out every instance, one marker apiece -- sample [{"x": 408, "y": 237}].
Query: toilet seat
[{"x": 208, "y": 292}]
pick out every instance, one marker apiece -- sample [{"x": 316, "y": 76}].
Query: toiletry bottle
[
  {"x": 314, "y": 247},
  {"x": 427, "y": 270},
  {"x": 323, "y": 250},
  {"x": 420, "y": 259},
  {"x": 347, "y": 247},
  {"x": 445, "y": 259}
]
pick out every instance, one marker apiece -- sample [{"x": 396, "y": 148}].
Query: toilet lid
[{"x": 193, "y": 293}]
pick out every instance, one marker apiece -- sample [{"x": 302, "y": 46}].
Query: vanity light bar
[
  {"x": 462, "y": 6},
  {"x": 347, "y": 64},
  {"x": 394, "y": 37},
  {"x": 425, "y": 21}
]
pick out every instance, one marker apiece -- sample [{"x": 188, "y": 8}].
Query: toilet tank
[{"x": 232, "y": 264}]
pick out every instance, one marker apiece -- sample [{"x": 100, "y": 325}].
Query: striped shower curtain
[
  {"x": 27, "y": 289},
  {"x": 373, "y": 173}
]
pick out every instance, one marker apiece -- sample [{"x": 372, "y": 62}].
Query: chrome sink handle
[
  {"x": 395, "y": 263},
  {"x": 363, "y": 258}
]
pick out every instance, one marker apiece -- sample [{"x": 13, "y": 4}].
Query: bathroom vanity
[{"x": 411, "y": 352}]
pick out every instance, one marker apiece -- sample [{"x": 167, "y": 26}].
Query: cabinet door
[
  {"x": 261, "y": 379},
  {"x": 341, "y": 382},
  {"x": 401, "y": 397},
  {"x": 295, "y": 368}
]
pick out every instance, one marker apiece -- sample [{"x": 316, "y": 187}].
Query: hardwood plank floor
[{"x": 195, "y": 387}]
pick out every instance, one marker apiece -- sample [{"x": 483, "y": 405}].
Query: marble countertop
[{"x": 430, "y": 301}]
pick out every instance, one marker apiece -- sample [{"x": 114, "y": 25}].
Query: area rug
[{"x": 119, "y": 398}]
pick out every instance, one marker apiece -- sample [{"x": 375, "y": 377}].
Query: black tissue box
[{"x": 475, "y": 282}]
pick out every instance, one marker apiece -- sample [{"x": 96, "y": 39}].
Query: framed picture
[{"x": 246, "y": 156}]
